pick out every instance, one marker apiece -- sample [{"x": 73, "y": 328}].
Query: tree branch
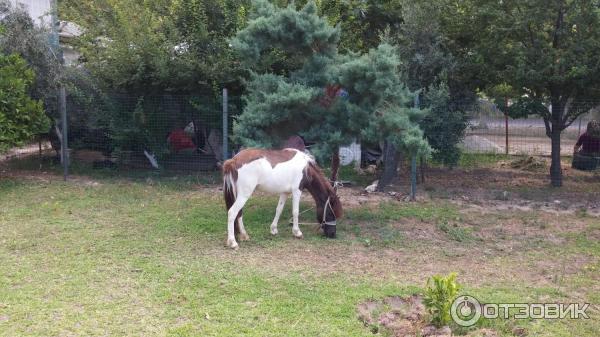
[
  {"x": 558, "y": 27},
  {"x": 533, "y": 44},
  {"x": 568, "y": 103},
  {"x": 548, "y": 127}
]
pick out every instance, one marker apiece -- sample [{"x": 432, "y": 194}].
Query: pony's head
[
  {"x": 328, "y": 205},
  {"x": 328, "y": 213}
]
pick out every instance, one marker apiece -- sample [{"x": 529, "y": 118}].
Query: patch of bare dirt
[
  {"x": 24, "y": 151},
  {"x": 397, "y": 315},
  {"x": 356, "y": 197},
  {"x": 404, "y": 317},
  {"x": 41, "y": 176},
  {"x": 521, "y": 184},
  {"x": 534, "y": 164},
  {"x": 46, "y": 177},
  {"x": 517, "y": 185}
]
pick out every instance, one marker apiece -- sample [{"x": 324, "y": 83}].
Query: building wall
[{"x": 39, "y": 10}]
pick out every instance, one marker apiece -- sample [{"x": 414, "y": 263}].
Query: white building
[{"x": 41, "y": 12}]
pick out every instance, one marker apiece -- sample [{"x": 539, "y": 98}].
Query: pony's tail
[{"x": 229, "y": 188}]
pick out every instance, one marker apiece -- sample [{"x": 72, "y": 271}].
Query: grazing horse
[{"x": 282, "y": 172}]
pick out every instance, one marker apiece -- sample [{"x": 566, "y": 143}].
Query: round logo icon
[{"x": 465, "y": 310}]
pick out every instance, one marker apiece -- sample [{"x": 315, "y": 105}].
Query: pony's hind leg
[
  {"x": 278, "y": 210},
  {"x": 232, "y": 214},
  {"x": 243, "y": 235},
  {"x": 295, "y": 213}
]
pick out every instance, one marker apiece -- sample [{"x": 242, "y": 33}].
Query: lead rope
[
  {"x": 318, "y": 225},
  {"x": 335, "y": 185},
  {"x": 327, "y": 204}
]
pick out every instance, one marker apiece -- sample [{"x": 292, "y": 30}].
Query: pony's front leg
[
  {"x": 231, "y": 215},
  {"x": 278, "y": 210},
  {"x": 295, "y": 213}
]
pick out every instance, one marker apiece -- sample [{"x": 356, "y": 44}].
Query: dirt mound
[
  {"x": 400, "y": 316},
  {"x": 405, "y": 317},
  {"x": 528, "y": 164}
]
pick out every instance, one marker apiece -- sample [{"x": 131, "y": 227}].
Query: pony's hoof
[
  {"x": 244, "y": 237},
  {"x": 274, "y": 231},
  {"x": 232, "y": 244},
  {"x": 299, "y": 235}
]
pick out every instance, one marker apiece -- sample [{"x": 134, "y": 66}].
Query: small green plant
[{"x": 439, "y": 294}]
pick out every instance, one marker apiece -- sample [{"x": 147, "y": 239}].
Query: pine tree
[{"x": 369, "y": 100}]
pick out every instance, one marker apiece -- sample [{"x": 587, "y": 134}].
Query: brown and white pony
[{"x": 282, "y": 172}]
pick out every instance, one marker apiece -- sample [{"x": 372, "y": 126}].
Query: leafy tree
[
  {"x": 360, "y": 21},
  {"x": 90, "y": 112},
  {"x": 21, "y": 117},
  {"x": 431, "y": 68},
  {"x": 377, "y": 104},
  {"x": 145, "y": 47},
  {"x": 22, "y": 37},
  {"x": 546, "y": 50},
  {"x": 135, "y": 54},
  {"x": 445, "y": 124}
]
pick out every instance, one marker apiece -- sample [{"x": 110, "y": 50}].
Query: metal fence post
[
  {"x": 506, "y": 123},
  {"x": 413, "y": 178},
  {"x": 225, "y": 125},
  {"x": 64, "y": 146}
]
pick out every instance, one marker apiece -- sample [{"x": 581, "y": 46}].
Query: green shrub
[
  {"x": 21, "y": 117},
  {"x": 439, "y": 294}
]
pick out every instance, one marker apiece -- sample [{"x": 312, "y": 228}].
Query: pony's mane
[{"x": 315, "y": 176}]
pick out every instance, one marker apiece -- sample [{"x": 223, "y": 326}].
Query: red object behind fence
[{"x": 179, "y": 140}]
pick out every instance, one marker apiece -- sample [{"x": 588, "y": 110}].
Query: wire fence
[
  {"x": 490, "y": 131},
  {"x": 189, "y": 133},
  {"x": 166, "y": 132}
]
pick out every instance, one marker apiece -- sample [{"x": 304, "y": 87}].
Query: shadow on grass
[{"x": 166, "y": 178}]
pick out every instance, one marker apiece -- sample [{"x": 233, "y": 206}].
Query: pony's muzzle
[{"x": 329, "y": 229}]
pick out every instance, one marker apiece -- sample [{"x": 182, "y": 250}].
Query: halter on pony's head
[{"x": 332, "y": 210}]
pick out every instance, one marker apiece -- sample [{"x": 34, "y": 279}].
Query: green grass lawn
[{"x": 146, "y": 257}]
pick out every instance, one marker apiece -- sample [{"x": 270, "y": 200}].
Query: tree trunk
[
  {"x": 555, "y": 167},
  {"x": 335, "y": 165},
  {"x": 422, "y": 168},
  {"x": 557, "y": 126},
  {"x": 391, "y": 158}
]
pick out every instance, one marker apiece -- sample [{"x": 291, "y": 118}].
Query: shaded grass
[{"x": 176, "y": 179}]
